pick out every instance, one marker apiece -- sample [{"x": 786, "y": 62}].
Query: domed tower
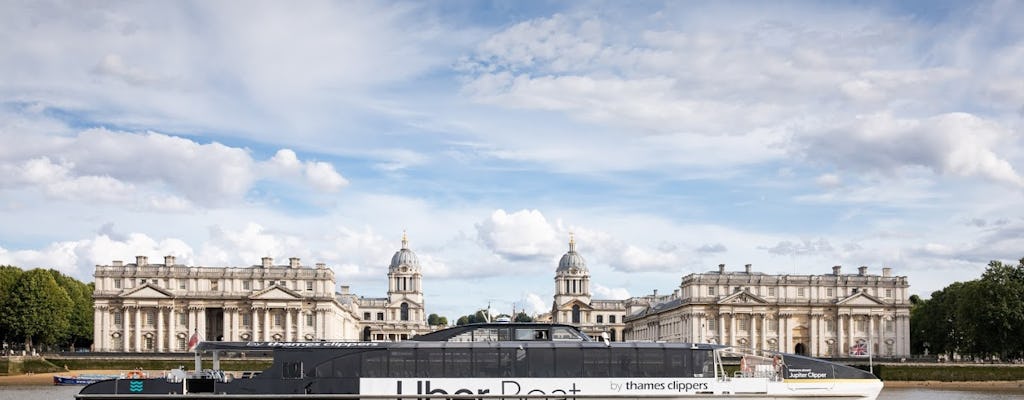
[
  {"x": 572, "y": 288},
  {"x": 405, "y": 289}
]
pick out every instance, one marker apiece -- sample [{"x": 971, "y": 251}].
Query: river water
[{"x": 68, "y": 392}]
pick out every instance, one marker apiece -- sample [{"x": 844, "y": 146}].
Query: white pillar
[
  {"x": 172, "y": 328},
  {"x": 201, "y": 323},
  {"x": 764, "y": 331},
  {"x": 138, "y": 329},
  {"x": 721, "y": 328},
  {"x": 226, "y": 324},
  {"x": 159, "y": 329},
  {"x": 266, "y": 324},
  {"x": 97, "y": 333},
  {"x": 301, "y": 324},
  {"x": 255, "y": 324},
  {"x": 235, "y": 316},
  {"x": 287, "y": 324},
  {"x": 125, "y": 330}
]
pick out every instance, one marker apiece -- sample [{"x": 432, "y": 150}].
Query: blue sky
[{"x": 669, "y": 137}]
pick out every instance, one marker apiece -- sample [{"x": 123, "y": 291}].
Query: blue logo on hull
[{"x": 135, "y": 386}]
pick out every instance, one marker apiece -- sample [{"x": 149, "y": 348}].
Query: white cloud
[
  {"x": 804, "y": 247},
  {"x": 604, "y": 292},
  {"x": 524, "y": 234},
  {"x": 247, "y": 246},
  {"x": 79, "y": 257},
  {"x": 536, "y": 305},
  {"x": 829, "y": 180}
]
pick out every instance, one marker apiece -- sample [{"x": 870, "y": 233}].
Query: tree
[
  {"x": 522, "y": 317},
  {"x": 79, "y": 333},
  {"x": 463, "y": 320},
  {"x": 37, "y": 308},
  {"x": 8, "y": 276},
  {"x": 436, "y": 320}
]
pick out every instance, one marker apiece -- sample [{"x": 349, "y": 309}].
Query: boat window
[
  {"x": 541, "y": 361},
  {"x": 375, "y": 364},
  {"x": 292, "y": 370},
  {"x": 531, "y": 334},
  {"x": 563, "y": 333},
  {"x": 678, "y": 363},
  {"x": 568, "y": 362},
  {"x": 458, "y": 363},
  {"x": 402, "y": 363},
  {"x": 595, "y": 362},
  {"x": 703, "y": 363},
  {"x": 623, "y": 362},
  {"x": 429, "y": 363},
  {"x": 346, "y": 366},
  {"x": 651, "y": 363},
  {"x": 487, "y": 363}
]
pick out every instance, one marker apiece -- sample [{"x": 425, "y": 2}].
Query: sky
[{"x": 668, "y": 137}]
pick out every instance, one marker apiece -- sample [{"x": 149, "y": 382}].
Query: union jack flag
[
  {"x": 859, "y": 349},
  {"x": 194, "y": 340}
]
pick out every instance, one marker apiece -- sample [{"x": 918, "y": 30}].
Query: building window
[
  {"x": 277, "y": 319},
  {"x": 117, "y": 283},
  {"x": 611, "y": 319},
  {"x": 309, "y": 319},
  {"x": 830, "y": 325},
  {"x": 712, "y": 324},
  {"x": 214, "y": 285},
  {"x": 773, "y": 324},
  {"x": 711, "y": 290},
  {"x": 246, "y": 320},
  {"x": 183, "y": 318},
  {"x": 283, "y": 284},
  {"x": 380, "y": 316},
  {"x": 743, "y": 324},
  {"x": 404, "y": 312},
  {"x": 600, "y": 319},
  {"x": 771, "y": 292},
  {"x": 309, "y": 286},
  {"x": 829, "y": 292},
  {"x": 181, "y": 344},
  {"x": 150, "y": 316},
  {"x": 800, "y": 292},
  {"x": 117, "y": 318},
  {"x": 149, "y": 343},
  {"x": 246, "y": 285},
  {"x": 142, "y": 281},
  {"x": 182, "y": 284},
  {"x": 889, "y": 325},
  {"x": 366, "y": 316},
  {"x": 576, "y": 314},
  {"x": 888, "y": 293}
]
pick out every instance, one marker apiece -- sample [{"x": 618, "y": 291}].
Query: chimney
[
  {"x": 721, "y": 268},
  {"x": 168, "y": 260},
  {"x": 293, "y": 262},
  {"x": 344, "y": 289},
  {"x": 862, "y": 270},
  {"x": 321, "y": 265},
  {"x": 117, "y": 263},
  {"x": 141, "y": 261},
  {"x": 655, "y": 293},
  {"x": 747, "y": 267},
  {"x": 886, "y": 272},
  {"x": 267, "y": 262},
  {"x": 836, "y": 270}
]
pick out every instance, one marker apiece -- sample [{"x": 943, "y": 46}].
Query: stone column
[
  {"x": 235, "y": 316},
  {"x": 125, "y": 320},
  {"x": 851, "y": 331},
  {"x": 301, "y": 324},
  {"x": 226, "y": 323},
  {"x": 97, "y": 333},
  {"x": 159, "y": 329},
  {"x": 173, "y": 329},
  {"x": 732, "y": 329},
  {"x": 287, "y": 324},
  {"x": 138, "y": 329},
  {"x": 721, "y": 328},
  {"x": 764, "y": 331},
  {"x": 266, "y": 324},
  {"x": 254, "y": 324},
  {"x": 201, "y": 323},
  {"x": 839, "y": 335}
]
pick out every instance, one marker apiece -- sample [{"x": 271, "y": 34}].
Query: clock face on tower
[
  {"x": 405, "y": 269},
  {"x": 573, "y": 271}
]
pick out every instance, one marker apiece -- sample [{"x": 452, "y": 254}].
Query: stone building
[
  {"x": 145, "y": 307},
  {"x": 828, "y": 315}
]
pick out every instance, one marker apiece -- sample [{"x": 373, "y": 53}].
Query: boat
[
  {"x": 83, "y": 379},
  {"x": 502, "y": 361}
]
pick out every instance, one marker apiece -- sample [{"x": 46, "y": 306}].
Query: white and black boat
[{"x": 506, "y": 361}]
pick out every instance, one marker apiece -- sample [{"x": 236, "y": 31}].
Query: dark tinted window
[
  {"x": 541, "y": 362},
  {"x": 487, "y": 363},
  {"x": 623, "y": 363},
  {"x": 402, "y": 363},
  {"x": 595, "y": 362},
  {"x": 677, "y": 363},
  {"x": 375, "y": 364},
  {"x": 458, "y": 363},
  {"x": 568, "y": 362},
  {"x": 651, "y": 362},
  {"x": 344, "y": 366},
  {"x": 429, "y": 363},
  {"x": 703, "y": 363},
  {"x": 292, "y": 370}
]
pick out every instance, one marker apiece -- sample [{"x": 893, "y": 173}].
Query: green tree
[
  {"x": 38, "y": 309},
  {"x": 79, "y": 333},
  {"x": 463, "y": 320},
  {"x": 522, "y": 317},
  {"x": 8, "y": 276}
]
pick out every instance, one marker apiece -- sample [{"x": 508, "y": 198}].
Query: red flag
[{"x": 193, "y": 340}]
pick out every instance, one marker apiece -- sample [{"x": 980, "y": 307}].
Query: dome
[
  {"x": 404, "y": 256},
  {"x": 571, "y": 259}
]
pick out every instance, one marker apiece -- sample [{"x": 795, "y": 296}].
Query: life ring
[{"x": 134, "y": 375}]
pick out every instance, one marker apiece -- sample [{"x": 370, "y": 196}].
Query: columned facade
[
  {"x": 400, "y": 315},
  {"x": 834, "y": 315}
]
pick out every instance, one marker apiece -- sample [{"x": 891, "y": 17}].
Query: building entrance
[{"x": 214, "y": 324}]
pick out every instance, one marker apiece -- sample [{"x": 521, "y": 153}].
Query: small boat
[{"x": 83, "y": 379}]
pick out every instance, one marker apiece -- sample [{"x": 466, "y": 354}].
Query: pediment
[
  {"x": 148, "y": 291},
  {"x": 743, "y": 297},
  {"x": 568, "y": 305},
  {"x": 275, "y": 293},
  {"x": 861, "y": 299}
]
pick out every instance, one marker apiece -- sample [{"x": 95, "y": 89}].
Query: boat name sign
[{"x": 535, "y": 386}]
